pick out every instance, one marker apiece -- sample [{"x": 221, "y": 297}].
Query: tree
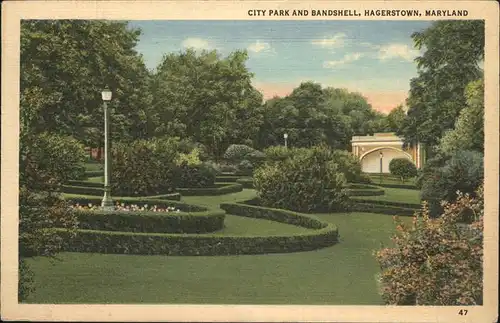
[
  {"x": 65, "y": 64},
  {"x": 312, "y": 115},
  {"x": 403, "y": 168},
  {"x": 452, "y": 54},
  {"x": 436, "y": 261},
  {"x": 207, "y": 98},
  {"x": 395, "y": 119},
  {"x": 468, "y": 133}
]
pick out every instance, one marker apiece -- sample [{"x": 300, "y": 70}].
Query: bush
[
  {"x": 308, "y": 181},
  {"x": 349, "y": 165},
  {"x": 48, "y": 159},
  {"x": 463, "y": 172},
  {"x": 219, "y": 189},
  {"x": 211, "y": 244},
  {"x": 139, "y": 169},
  {"x": 245, "y": 182},
  {"x": 436, "y": 262},
  {"x": 238, "y": 152},
  {"x": 144, "y": 221},
  {"x": 245, "y": 167},
  {"x": 25, "y": 282},
  {"x": 403, "y": 168},
  {"x": 278, "y": 153},
  {"x": 195, "y": 175}
]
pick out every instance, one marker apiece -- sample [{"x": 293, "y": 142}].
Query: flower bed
[{"x": 147, "y": 215}]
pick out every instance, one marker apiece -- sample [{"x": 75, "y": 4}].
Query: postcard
[{"x": 250, "y": 161}]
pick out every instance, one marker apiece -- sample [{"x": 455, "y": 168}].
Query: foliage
[
  {"x": 143, "y": 218},
  {"x": 463, "y": 172},
  {"x": 65, "y": 64},
  {"x": 48, "y": 160},
  {"x": 26, "y": 281},
  {"x": 191, "y": 159},
  {"x": 468, "y": 133},
  {"x": 245, "y": 167},
  {"x": 138, "y": 169},
  {"x": 195, "y": 175},
  {"x": 395, "y": 119},
  {"x": 207, "y": 98},
  {"x": 349, "y": 165},
  {"x": 238, "y": 152},
  {"x": 453, "y": 52},
  {"x": 403, "y": 168},
  {"x": 217, "y": 189},
  {"x": 325, "y": 234},
  {"x": 274, "y": 153},
  {"x": 436, "y": 261},
  {"x": 306, "y": 182}
]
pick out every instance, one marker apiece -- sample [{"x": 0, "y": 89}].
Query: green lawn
[
  {"x": 343, "y": 274},
  {"x": 396, "y": 195}
]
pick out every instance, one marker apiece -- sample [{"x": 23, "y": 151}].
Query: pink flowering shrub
[
  {"x": 127, "y": 208},
  {"x": 436, "y": 261}
]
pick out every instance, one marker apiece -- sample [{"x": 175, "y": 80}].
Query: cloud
[
  {"x": 258, "y": 47},
  {"x": 196, "y": 43},
  {"x": 346, "y": 59},
  {"x": 336, "y": 40},
  {"x": 401, "y": 51}
]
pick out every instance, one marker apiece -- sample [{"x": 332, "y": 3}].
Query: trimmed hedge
[
  {"x": 85, "y": 184},
  {"x": 360, "y": 186},
  {"x": 279, "y": 215},
  {"x": 194, "y": 245},
  {"x": 219, "y": 189},
  {"x": 382, "y": 209},
  {"x": 169, "y": 196},
  {"x": 191, "y": 219},
  {"x": 404, "y": 186},
  {"x": 210, "y": 244},
  {"x": 83, "y": 190},
  {"x": 365, "y": 192},
  {"x": 140, "y": 201},
  {"x": 94, "y": 173},
  {"x": 227, "y": 178},
  {"x": 389, "y": 203},
  {"x": 246, "y": 182}
]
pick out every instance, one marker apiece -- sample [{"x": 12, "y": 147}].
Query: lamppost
[
  {"x": 286, "y": 137},
  {"x": 381, "y": 157},
  {"x": 107, "y": 202}
]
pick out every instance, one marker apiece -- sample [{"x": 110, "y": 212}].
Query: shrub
[
  {"x": 277, "y": 153},
  {"x": 139, "y": 168},
  {"x": 245, "y": 167},
  {"x": 25, "y": 282},
  {"x": 349, "y": 165},
  {"x": 436, "y": 262},
  {"x": 195, "y": 175},
  {"x": 238, "y": 152},
  {"x": 403, "y": 168},
  {"x": 324, "y": 235},
  {"x": 49, "y": 159},
  {"x": 305, "y": 182},
  {"x": 245, "y": 182},
  {"x": 191, "y": 159},
  {"x": 463, "y": 172},
  {"x": 219, "y": 189}
]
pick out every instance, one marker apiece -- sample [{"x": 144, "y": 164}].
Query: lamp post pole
[
  {"x": 107, "y": 202},
  {"x": 381, "y": 157},
  {"x": 286, "y": 137}
]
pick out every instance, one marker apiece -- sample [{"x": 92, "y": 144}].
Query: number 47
[{"x": 462, "y": 312}]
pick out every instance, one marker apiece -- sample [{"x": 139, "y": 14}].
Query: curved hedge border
[
  {"x": 219, "y": 189},
  {"x": 382, "y": 209},
  {"x": 389, "y": 203},
  {"x": 191, "y": 219},
  {"x": 94, "y": 173},
  {"x": 246, "y": 182},
  {"x": 324, "y": 235},
  {"x": 365, "y": 192}
]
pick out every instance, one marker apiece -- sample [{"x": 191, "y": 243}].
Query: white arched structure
[{"x": 368, "y": 149}]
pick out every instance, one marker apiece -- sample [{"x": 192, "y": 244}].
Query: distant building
[{"x": 368, "y": 149}]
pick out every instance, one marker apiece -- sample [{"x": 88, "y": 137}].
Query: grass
[
  {"x": 390, "y": 179},
  {"x": 343, "y": 274},
  {"x": 396, "y": 195},
  {"x": 97, "y": 179},
  {"x": 93, "y": 166}
]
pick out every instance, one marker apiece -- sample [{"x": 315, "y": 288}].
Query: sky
[{"x": 374, "y": 58}]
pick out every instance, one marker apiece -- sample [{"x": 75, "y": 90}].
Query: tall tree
[
  {"x": 468, "y": 133},
  {"x": 207, "y": 98},
  {"x": 452, "y": 54},
  {"x": 65, "y": 64},
  {"x": 396, "y": 119}
]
